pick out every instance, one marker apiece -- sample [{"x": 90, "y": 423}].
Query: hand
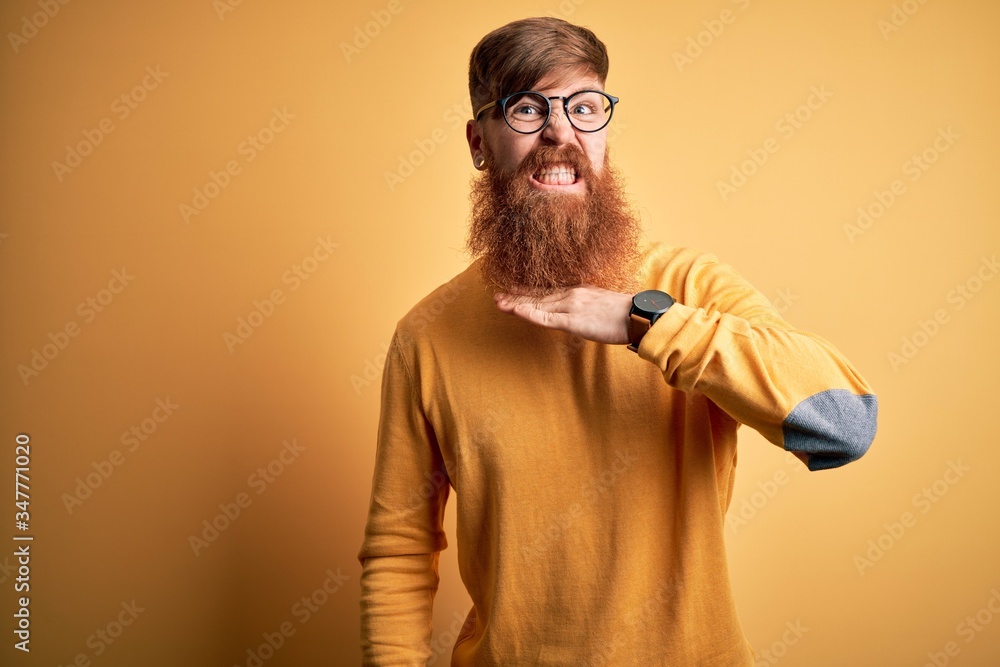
[{"x": 586, "y": 311}]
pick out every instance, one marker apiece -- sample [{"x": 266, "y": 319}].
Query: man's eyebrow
[{"x": 580, "y": 90}]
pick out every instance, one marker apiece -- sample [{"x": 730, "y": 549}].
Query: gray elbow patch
[{"x": 832, "y": 427}]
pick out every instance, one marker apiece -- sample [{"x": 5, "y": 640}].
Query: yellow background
[{"x": 310, "y": 372}]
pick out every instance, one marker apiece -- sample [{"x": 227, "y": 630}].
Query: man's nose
[{"x": 558, "y": 130}]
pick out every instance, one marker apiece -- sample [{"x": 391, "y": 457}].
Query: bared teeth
[{"x": 559, "y": 174}]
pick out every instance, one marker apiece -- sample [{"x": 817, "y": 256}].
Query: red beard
[{"x": 535, "y": 242}]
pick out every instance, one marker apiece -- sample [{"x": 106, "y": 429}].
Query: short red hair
[{"x": 518, "y": 55}]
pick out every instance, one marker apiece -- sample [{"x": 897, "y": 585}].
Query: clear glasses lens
[
  {"x": 587, "y": 110},
  {"x": 527, "y": 112}
]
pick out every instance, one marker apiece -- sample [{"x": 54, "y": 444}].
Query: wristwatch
[{"x": 647, "y": 307}]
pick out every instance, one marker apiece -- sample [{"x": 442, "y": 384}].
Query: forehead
[{"x": 569, "y": 79}]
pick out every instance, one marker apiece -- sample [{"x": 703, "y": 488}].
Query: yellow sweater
[{"x": 592, "y": 482}]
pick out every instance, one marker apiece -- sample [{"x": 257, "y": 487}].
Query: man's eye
[
  {"x": 582, "y": 110},
  {"x": 527, "y": 110}
]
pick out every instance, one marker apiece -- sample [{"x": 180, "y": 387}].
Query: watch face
[{"x": 652, "y": 301}]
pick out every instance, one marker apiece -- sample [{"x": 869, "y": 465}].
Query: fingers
[
  {"x": 551, "y": 297},
  {"x": 539, "y": 316},
  {"x": 542, "y": 314},
  {"x": 562, "y": 301}
]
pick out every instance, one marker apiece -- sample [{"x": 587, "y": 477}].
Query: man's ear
[{"x": 474, "y": 135}]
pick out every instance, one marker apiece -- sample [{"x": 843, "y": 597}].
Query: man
[{"x": 586, "y": 424}]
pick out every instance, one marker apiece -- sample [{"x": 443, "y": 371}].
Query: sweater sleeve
[
  {"x": 404, "y": 533},
  {"x": 725, "y": 340}
]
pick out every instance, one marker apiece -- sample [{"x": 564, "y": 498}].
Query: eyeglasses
[{"x": 528, "y": 111}]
